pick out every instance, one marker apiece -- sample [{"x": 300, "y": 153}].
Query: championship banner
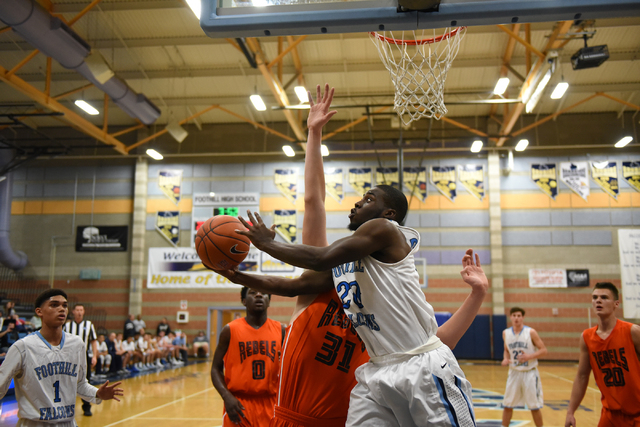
[
  {"x": 545, "y": 176},
  {"x": 415, "y": 180},
  {"x": 575, "y": 176},
  {"x": 547, "y": 278},
  {"x": 360, "y": 180},
  {"x": 286, "y": 181},
  {"x": 472, "y": 178},
  {"x": 102, "y": 238},
  {"x": 170, "y": 182},
  {"x": 605, "y": 174},
  {"x": 444, "y": 179},
  {"x": 387, "y": 176},
  {"x": 168, "y": 224},
  {"x": 286, "y": 224},
  {"x": 171, "y": 268},
  {"x": 631, "y": 174},
  {"x": 333, "y": 181},
  {"x": 629, "y": 246}
]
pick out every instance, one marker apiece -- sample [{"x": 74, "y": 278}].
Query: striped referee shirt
[{"x": 84, "y": 330}]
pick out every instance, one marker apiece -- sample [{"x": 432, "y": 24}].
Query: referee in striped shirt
[{"x": 85, "y": 330}]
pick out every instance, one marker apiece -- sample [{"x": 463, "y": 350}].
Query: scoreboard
[{"x": 206, "y": 205}]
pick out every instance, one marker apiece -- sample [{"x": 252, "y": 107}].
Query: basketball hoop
[{"x": 418, "y": 68}]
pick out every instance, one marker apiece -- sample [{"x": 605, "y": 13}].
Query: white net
[{"x": 418, "y": 68}]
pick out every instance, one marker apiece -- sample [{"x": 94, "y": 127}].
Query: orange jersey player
[
  {"x": 322, "y": 349},
  {"x": 246, "y": 364},
  {"x": 612, "y": 351}
]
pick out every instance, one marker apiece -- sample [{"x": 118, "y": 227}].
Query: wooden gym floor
[{"x": 185, "y": 397}]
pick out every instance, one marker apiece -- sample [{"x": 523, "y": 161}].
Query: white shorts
[
  {"x": 426, "y": 389},
  {"x": 523, "y": 387}
]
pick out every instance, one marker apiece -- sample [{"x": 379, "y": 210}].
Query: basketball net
[{"x": 418, "y": 68}]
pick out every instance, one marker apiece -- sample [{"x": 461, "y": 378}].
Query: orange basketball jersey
[
  {"x": 321, "y": 353},
  {"x": 251, "y": 365},
  {"x": 616, "y": 368}
]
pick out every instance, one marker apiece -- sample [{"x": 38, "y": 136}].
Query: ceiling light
[
  {"x": 258, "y": 103},
  {"x": 154, "y": 154},
  {"x": 195, "y": 7},
  {"x": 288, "y": 151},
  {"x": 324, "y": 150},
  {"x": 212, "y": 194},
  {"x": 476, "y": 146},
  {"x": 302, "y": 93},
  {"x": 87, "y": 108},
  {"x": 501, "y": 86},
  {"x": 533, "y": 101},
  {"x": 522, "y": 145},
  {"x": 623, "y": 142},
  {"x": 559, "y": 91}
]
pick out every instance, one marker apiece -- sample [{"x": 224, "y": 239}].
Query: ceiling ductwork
[
  {"x": 14, "y": 260},
  {"x": 57, "y": 40}
]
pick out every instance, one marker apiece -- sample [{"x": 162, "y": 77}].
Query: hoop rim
[{"x": 431, "y": 40}]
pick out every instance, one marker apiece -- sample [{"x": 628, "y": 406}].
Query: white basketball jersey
[
  {"x": 385, "y": 302},
  {"x": 47, "y": 378},
  {"x": 518, "y": 344}
]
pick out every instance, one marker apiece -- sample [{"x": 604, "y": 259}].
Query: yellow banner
[
  {"x": 631, "y": 174},
  {"x": 168, "y": 224},
  {"x": 415, "y": 180},
  {"x": 170, "y": 183},
  {"x": 286, "y": 181},
  {"x": 444, "y": 179},
  {"x": 472, "y": 178},
  {"x": 333, "y": 181},
  {"x": 360, "y": 180},
  {"x": 605, "y": 174},
  {"x": 286, "y": 224}
]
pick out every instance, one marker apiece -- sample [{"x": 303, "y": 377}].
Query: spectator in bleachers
[
  {"x": 129, "y": 346},
  {"x": 155, "y": 350},
  {"x": 201, "y": 345},
  {"x": 172, "y": 354},
  {"x": 147, "y": 354},
  {"x": 117, "y": 354},
  {"x": 129, "y": 328},
  {"x": 180, "y": 342},
  {"x": 1, "y": 318},
  {"x": 163, "y": 326},
  {"x": 139, "y": 324},
  {"x": 36, "y": 322},
  {"x": 104, "y": 357},
  {"x": 9, "y": 309},
  {"x": 8, "y": 334}
]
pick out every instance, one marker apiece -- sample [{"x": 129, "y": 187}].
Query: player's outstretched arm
[
  {"x": 372, "y": 236},
  {"x": 314, "y": 225},
  {"x": 506, "y": 356},
  {"x": 231, "y": 404},
  {"x": 309, "y": 282},
  {"x": 11, "y": 367},
  {"x": 108, "y": 392},
  {"x": 579, "y": 385},
  {"x": 473, "y": 275}
]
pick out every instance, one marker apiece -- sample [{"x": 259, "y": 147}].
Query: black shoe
[{"x": 87, "y": 413}]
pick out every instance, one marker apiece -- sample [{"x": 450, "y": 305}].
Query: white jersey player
[
  {"x": 49, "y": 369},
  {"x": 413, "y": 379},
  {"x": 522, "y": 348}
]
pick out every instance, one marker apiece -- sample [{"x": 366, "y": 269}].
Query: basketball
[{"x": 218, "y": 245}]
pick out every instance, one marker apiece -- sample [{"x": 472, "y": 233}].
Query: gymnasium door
[{"x": 218, "y": 318}]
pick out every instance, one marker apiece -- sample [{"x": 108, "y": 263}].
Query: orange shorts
[
  {"x": 286, "y": 418},
  {"x": 258, "y": 411},
  {"x": 618, "y": 419}
]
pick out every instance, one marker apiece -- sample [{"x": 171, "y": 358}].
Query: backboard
[{"x": 259, "y": 18}]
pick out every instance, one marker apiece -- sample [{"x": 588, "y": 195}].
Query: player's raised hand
[
  {"x": 259, "y": 234},
  {"x": 108, "y": 392},
  {"x": 472, "y": 272},
  {"x": 234, "y": 409},
  {"x": 319, "y": 113}
]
